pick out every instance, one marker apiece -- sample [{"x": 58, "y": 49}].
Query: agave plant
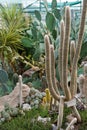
[{"x": 11, "y": 26}]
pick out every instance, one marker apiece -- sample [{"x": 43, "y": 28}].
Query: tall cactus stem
[
  {"x": 77, "y": 115},
  {"x": 71, "y": 123},
  {"x": 53, "y": 73},
  {"x": 65, "y": 53},
  {"x": 85, "y": 81},
  {"x": 48, "y": 68},
  {"x": 78, "y": 48},
  {"x": 81, "y": 84},
  {"x": 60, "y": 116},
  {"x": 85, "y": 70},
  {"x": 61, "y": 50},
  {"x": 72, "y": 52},
  {"x": 20, "y": 91}
]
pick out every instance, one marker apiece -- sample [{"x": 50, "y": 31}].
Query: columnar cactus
[
  {"x": 65, "y": 53},
  {"x": 81, "y": 84},
  {"x": 78, "y": 48},
  {"x": 49, "y": 68},
  {"x": 20, "y": 90},
  {"x": 85, "y": 81},
  {"x": 53, "y": 69},
  {"x": 72, "y": 52},
  {"x": 69, "y": 92},
  {"x": 60, "y": 116},
  {"x": 61, "y": 50}
]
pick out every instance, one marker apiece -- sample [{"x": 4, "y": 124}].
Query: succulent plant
[
  {"x": 69, "y": 92},
  {"x": 3, "y": 76},
  {"x": 36, "y": 102},
  {"x": 14, "y": 112},
  {"x": 3, "y": 79},
  {"x": 6, "y": 115},
  {"x": 6, "y": 107}
]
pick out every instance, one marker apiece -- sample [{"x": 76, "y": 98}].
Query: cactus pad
[{"x": 3, "y": 76}]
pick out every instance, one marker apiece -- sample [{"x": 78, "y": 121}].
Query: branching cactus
[
  {"x": 69, "y": 92},
  {"x": 65, "y": 53},
  {"x": 78, "y": 48}
]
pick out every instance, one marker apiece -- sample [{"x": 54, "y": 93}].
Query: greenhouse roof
[{"x": 32, "y": 7}]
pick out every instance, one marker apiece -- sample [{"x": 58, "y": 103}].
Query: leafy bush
[{"x": 27, "y": 122}]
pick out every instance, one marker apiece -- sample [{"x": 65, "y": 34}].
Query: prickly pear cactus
[
  {"x": 3, "y": 79},
  {"x": 3, "y": 76}
]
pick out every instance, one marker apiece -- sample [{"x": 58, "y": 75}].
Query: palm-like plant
[{"x": 11, "y": 26}]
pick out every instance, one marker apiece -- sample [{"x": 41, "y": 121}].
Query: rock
[
  {"x": 2, "y": 119},
  {"x": 13, "y": 98},
  {"x": 29, "y": 72},
  {"x": 25, "y": 90},
  {"x": 54, "y": 127},
  {"x": 43, "y": 120},
  {"x": 70, "y": 118},
  {"x": 26, "y": 107}
]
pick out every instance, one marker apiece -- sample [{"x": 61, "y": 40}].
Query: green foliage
[
  {"x": 3, "y": 76},
  {"x": 3, "y": 80},
  {"x": 26, "y": 42},
  {"x": 12, "y": 25},
  {"x": 83, "y": 53},
  {"x": 57, "y": 13},
  {"x": 35, "y": 36},
  {"x": 80, "y": 71},
  {"x": 50, "y": 21},
  {"x": 74, "y": 36},
  {"x": 15, "y": 78},
  {"x": 38, "y": 15},
  {"x": 36, "y": 83},
  {"x": 54, "y": 4},
  {"x": 83, "y": 124},
  {"x": 27, "y": 122},
  {"x": 44, "y": 112}
]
